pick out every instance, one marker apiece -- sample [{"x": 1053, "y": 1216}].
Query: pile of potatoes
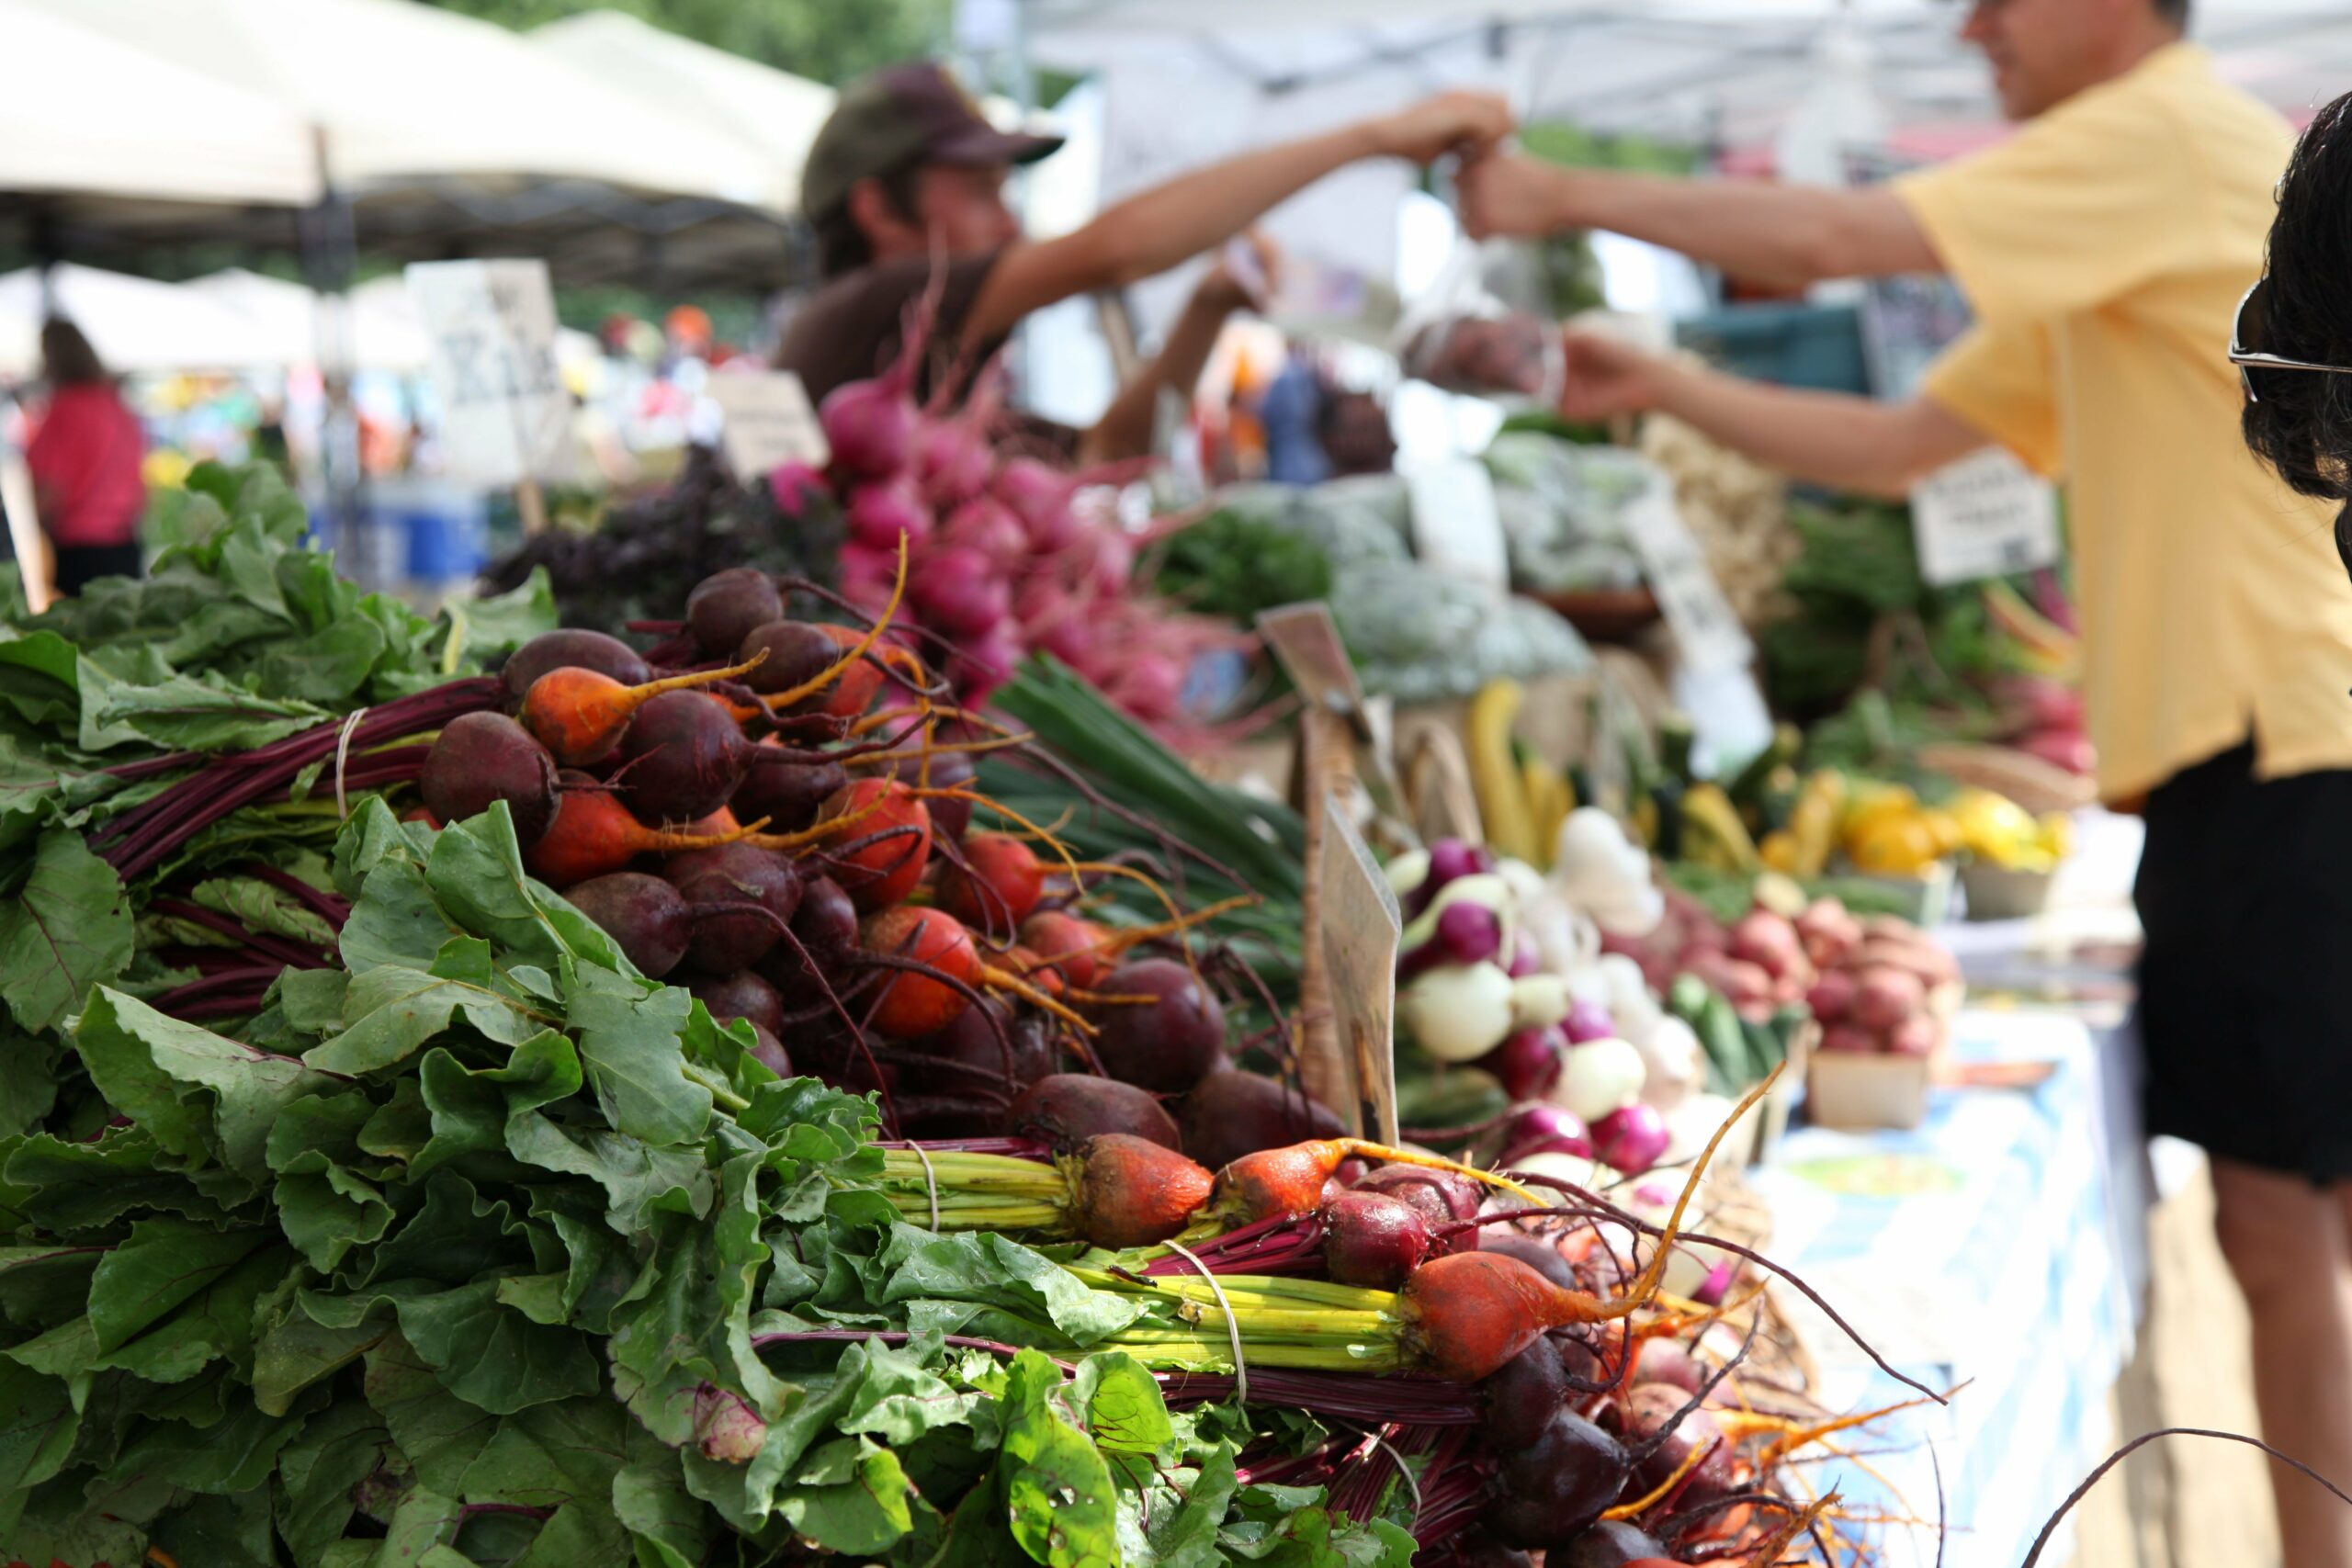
[
  {"x": 1877, "y": 985},
  {"x": 1884, "y": 985}
]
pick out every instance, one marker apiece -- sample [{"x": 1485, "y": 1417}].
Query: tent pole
[{"x": 330, "y": 245}]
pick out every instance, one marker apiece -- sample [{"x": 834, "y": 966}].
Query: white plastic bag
[{"x": 1460, "y": 337}]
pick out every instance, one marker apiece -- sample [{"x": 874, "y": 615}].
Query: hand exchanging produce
[
  {"x": 1605, "y": 376},
  {"x": 1440, "y": 124},
  {"x": 1509, "y": 193}
]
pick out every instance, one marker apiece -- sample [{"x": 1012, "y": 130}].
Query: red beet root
[
  {"x": 483, "y": 758},
  {"x": 1372, "y": 1240},
  {"x": 1167, "y": 1043},
  {"x": 1230, "y": 1114},
  {"x": 1063, "y": 1110}
]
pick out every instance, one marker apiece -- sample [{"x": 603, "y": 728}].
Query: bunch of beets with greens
[
  {"x": 481, "y": 1249},
  {"x": 177, "y": 752}
]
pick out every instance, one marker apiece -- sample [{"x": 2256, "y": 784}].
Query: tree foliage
[{"x": 823, "y": 39}]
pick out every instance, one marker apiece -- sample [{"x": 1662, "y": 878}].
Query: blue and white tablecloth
[{"x": 1982, "y": 1249}]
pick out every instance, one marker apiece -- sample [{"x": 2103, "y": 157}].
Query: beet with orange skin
[
  {"x": 574, "y": 647},
  {"x": 911, "y": 1005},
  {"x": 881, "y": 851},
  {"x": 483, "y": 758},
  {"x": 1469, "y": 1312},
  {"x": 1063, "y": 1110},
  {"x": 1130, "y": 1191},
  {"x": 594, "y": 835},
  {"x": 997, "y": 885},
  {"x": 1274, "y": 1182},
  {"x": 1070, "y": 945}
]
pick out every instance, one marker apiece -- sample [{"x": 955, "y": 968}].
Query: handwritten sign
[
  {"x": 767, "y": 422},
  {"x": 491, "y": 326},
  {"x": 1986, "y": 515},
  {"x": 1696, "y": 612},
  {"x": 1457, "y": 527}
]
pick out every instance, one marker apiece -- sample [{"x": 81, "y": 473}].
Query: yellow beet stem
[
  {"x": 1646, "y": 1283},
  {"x": 1005, "y": 980},
  {"x": 1796, "y": 1437},
  {"x": 1435, "y": 1162},
  {"x": 1640, "y": 1506},
  {"x": 832, "y": 673}
]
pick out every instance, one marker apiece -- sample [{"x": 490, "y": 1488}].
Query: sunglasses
[{"x": 2248, "y": 334}]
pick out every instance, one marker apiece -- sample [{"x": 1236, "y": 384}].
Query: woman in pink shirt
[{"x": 85, "y": 464}]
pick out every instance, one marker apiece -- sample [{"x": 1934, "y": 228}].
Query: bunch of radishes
[
  {"x": 1009, "y": 553},
  {"x": 1883, "y": 986}
]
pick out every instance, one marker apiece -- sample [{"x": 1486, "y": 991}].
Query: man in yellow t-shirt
[{"x": 2103, "y": 249}]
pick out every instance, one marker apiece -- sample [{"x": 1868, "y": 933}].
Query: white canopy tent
[
  {"x": 89, "y": 113},
  {"x": 773, "y": 113},
  {"x": 135, "y": 324},
  {"x": 1711, "y": 72},
  {"x": 386, "y": 334},
  {"x": 397, "y": 90}
]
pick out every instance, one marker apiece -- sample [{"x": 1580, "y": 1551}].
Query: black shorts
[
  {"x": 2244, "y": 891},
  {"x": 81, "y": 564}
]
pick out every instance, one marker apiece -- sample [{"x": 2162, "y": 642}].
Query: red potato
[
  {"x": 1832, "y": 996},
  {"x": 1886, "y": 995},
  {"x": 1930, "y": 963},
  {"x": 1764, "y": 938},
  {"x": 1851, "y": 1039},
  {"x": 1915, "y": 1036}
]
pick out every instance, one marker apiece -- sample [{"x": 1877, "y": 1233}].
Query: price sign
[
  {"x": 490, "y": 325},
  {"x": 1457, "y": 528},
  {"x": 1696, "y": 611},
  {"x": 1986, "y": 515},
  {"x": 767, "y": 422}
]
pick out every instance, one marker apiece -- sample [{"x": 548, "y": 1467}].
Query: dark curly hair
[{"x": 2301, "y": 424}]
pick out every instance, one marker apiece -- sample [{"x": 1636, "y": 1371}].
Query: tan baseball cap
[{"x": 915, "y": 113}]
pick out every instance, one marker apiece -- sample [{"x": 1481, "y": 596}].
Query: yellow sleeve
[
  {"x": 1996, "y": 379},
  {"x": 2082, "y": 206}
]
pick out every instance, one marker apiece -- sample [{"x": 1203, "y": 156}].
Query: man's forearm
[
  {"x": 1782, "y": 235},
  {"x": 1828, "y": 438},
  {"x": 1154, "y": 230},
  {"x": 1126, "y": 428}
]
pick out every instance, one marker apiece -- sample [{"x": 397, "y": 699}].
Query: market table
[{"x": 1979, "y": 1249}]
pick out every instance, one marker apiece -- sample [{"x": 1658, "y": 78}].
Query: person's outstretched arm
[
  {"x": 1153, "y": 230},
  {"x": 1829, "y": 438},
  {"x": 1785, "y": 235}
]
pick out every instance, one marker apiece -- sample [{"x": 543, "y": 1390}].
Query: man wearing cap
[
  {"x": 907, "y": 176},
  {"x": 2103, "y": 249}
]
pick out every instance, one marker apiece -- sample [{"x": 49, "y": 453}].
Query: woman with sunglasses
[{"x": 2293, "y": 343}]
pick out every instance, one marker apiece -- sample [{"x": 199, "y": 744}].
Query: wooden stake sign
[
  {"x": 1361, "y": 928},
  {"x": 1332, "y": 725}
]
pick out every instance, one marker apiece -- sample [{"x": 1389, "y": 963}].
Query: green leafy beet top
[{"x": 481, "y": 1248}]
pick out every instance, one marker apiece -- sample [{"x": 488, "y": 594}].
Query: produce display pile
[
  {"x": 1005, "y": 556},
  {"x": 427, "y": 1223}
]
